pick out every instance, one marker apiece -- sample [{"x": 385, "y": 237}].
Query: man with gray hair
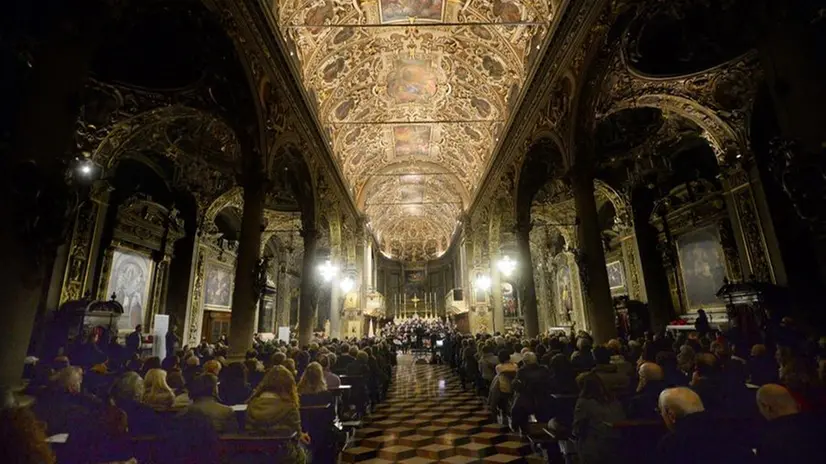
[
  {"x": 789, "y": 435},
  {"x": 531, "y": 385},
  {"x": 695, "y": 436}
]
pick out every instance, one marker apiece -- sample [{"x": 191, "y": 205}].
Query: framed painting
[
  {"x": 218, "y": 283},
  {"x": 413, "y": 140},
  {"x": 616, "y": 276},
  {"x": 702, "y": 267},
  {"x": 130, "y": 281}
]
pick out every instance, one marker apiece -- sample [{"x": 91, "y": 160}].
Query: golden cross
[{"x": 415, "y": 301}]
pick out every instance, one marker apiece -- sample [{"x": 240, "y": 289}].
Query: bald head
[
  {"x": 651, "y": 372},
  {"x": 776, "y": 401},
  {"x": 679, "y": 402}
]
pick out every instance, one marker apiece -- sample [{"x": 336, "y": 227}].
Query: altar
[{"x": 404, "y": 308}]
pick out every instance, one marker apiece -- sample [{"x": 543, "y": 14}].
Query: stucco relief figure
[
  {"x": 218, "y": 287},
  {"x": 702, "y": 265},
  {"x": 129, "y": 282},
  {"x": 565, "y": 292},
  {"x": 509, "y": 304},
  {"x": 402, "y": 10}
]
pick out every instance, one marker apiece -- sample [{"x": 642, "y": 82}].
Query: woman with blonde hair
[
  {"x": 274, "y": 407},
  {"x": 157, "y": 393},
  {"x": 312, "y": 381}
]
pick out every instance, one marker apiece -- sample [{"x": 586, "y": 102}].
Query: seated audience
[
  {"x": 23, "y": 438},
  {"x": 583, "y": 358},
  {"x": 332, "y": 380},
  {"x": 643, "y": 405},
  {"x": 596, "y": 408},
  {"x": 531, "y": 384},
  {"x": 192, "y": 369},
  {"x": 126, "y": 394},
  {"x": 563, "y": 378},
  {"x": 707, "y": 383},
  {"x": 157, "y": 393},
  {"x": 616, "y": 382},
  {"x": 789, "y": 435},
  {"x": 695, "y": 436},
  {"x": 234, "y": 388},
  {"x": 174, "y": 375},
  {"x": 204, "y": 390},
  {"x": 347, "y": 355},
  {"x": 64, "y": 407},
  {"x": 255, "y": 370},
  {"x": 312, "y": 389},
  {"x": 672, "y": 375},
  {"x": 274, "y": 408},
  {"x": 213, "y": 366},
  {"x": 762, "y": 368}
]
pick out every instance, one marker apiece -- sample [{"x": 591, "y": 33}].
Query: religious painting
[
  {"x": 702, "y": 266},
  {"x": 411, "y": 194},
  {"x": 616, "y": 277},
  {"x": 411, "y": 140},
  {"x": 218, "y": 286},
  {"x": 510, "y": 305},
  {"x": 413, "y": 81},
  {"x": 565, "y": 291},
  {"x": 130, "y": 279},
  {"x": 403, "y": 10}
]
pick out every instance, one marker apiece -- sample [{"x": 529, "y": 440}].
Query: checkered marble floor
[{"x": 428, "y": 418}]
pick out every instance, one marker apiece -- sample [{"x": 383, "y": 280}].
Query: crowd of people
[
  {"x": 100, "y": 394},
  {"x": 417, "y": 333},
  {"x": 721, "y": 402}
]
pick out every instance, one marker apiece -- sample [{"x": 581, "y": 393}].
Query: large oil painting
[
  {"x": 702, "y": 266},
  {"x": 403, "y": 10},
  {"x": 564, "y": 289},
  {"x": 218, "y": 286},
  {"x": 616, "y": 277},
  {"x": 411, "y": 140},
  {"x": 412, "y": 81},
  {"x": 130, "y": 280}
]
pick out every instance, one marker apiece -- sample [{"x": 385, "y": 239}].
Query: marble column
[
  {"x": 600, "y": 311},
  {"x": 658, "y": 294},
  {"x": 33, "y": 189},
  {"x": 335, "y": 304},
  {"x": 283, "y": 294},
  {"x": 496, "y": 295},
  {"x": 244, "y": 299},
  {"x": 527, "y": 285},
  {"x": 306, "y": 310}
]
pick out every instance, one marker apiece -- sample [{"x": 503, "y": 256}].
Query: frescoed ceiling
[{"x": 413, "y": 95}]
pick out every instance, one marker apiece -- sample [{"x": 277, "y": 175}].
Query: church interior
[{"x": 234, "y": 170}]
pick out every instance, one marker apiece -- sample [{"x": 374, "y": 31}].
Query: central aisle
[{"x": 428, "y": 418}]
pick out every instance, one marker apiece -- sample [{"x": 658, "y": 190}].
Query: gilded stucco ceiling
[{"x": 413, "y": 95}]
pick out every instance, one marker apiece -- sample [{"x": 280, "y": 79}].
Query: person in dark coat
[
  {"x": 126, "y": 394},
  {"x": 532, "y": 385},
  {"x": 762, "y": 368},
  {"x": 695, "y": 436},
  {"x": 133, "y": 340},
  {"x": 707, "y": 382},
  {"x": 347, "y": 356},
  {"x": 172, "y": 341},
  {"x": 789, "y": 435},
  {"x": 643, "y": 405},
  {"x": 701, "y": 324}
]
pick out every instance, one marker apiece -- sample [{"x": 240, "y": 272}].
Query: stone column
[
  {"x": 335, "y": 305},
  {"x": 528, "y": 287},
  {"x": 282, "y": 303},
  {"x": 306, "y": 311},
  {"x": 660, "y": 304},
  {"x": 496, "y": 295},
  {"x": 33, "y": 189},
  {"x": 244, "y": 299},
  {"x": 600, "y": 313}
]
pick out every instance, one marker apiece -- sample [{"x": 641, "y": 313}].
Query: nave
[{"x": 429, "y": 418}]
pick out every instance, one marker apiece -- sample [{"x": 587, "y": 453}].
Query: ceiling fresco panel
[{"x": 414, "y": 95}]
